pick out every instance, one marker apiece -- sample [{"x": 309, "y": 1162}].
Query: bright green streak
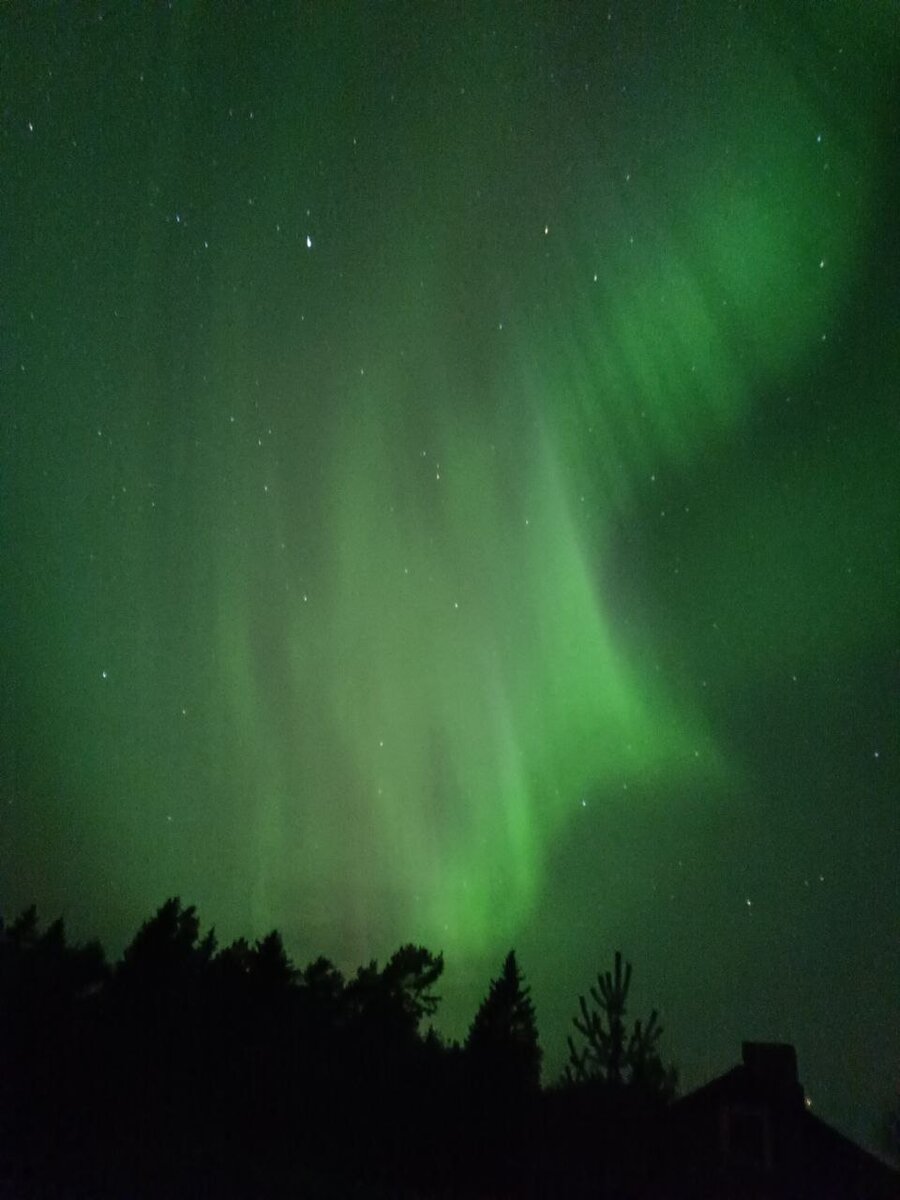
[{"x": 468, "y": 674}]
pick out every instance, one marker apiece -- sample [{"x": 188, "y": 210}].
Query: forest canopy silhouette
[{"x": 185, "y": 1067}]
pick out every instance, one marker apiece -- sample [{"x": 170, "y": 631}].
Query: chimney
[{"x": 774, "y": 1063}]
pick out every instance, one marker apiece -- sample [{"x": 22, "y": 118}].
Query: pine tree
[
  {"x": 503, "y": 1038},
  {"x": 611, "y": 1053}
]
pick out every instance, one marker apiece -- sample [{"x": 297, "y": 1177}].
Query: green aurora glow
[{"x": 348, "y": 580}]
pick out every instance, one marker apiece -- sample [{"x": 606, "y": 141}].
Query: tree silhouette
[
  {"x": 167, "y": 952},
  {"x": 503, "y": 1037},
  {"x": 611, "y": 1053},
  {"x": 234, "y": 962},
  {"x": 410, "y": 974},
  {"x": 399, "y": 996},
  {"x": 185, "y": 1064},
  {"x": 270, "y": 967},
  {"x": 49, "y": 1040},
  {"x": 322, "y": 980},
  {"x": 23, "y": 931},
  {"x": 46, "y": 962},
  {"x": 321, "y": 989}
]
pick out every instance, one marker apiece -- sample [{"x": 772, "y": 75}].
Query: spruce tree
[{"x": 503, "y": 1040}]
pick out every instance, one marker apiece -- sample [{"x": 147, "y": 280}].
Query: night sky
[{"x": 450, "y": 477}]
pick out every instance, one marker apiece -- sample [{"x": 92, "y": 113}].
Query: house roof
[{"x": 749, "y": 1132}]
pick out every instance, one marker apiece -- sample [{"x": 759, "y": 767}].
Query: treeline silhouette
[{"x": 184, "y": 1069}]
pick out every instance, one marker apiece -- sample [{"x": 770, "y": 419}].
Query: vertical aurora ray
[
  {"x": 475, "y": 713},
  {"x": 472, "y": 713}
]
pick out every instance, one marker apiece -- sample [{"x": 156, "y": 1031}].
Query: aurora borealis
[{"x": 449, "y": 492}]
